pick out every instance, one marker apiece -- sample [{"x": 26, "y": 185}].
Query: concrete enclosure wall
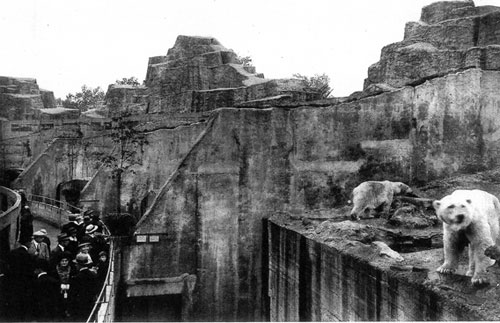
[
  {"x": 311, "y": 281},
  {"x": 253, "y": 162}
]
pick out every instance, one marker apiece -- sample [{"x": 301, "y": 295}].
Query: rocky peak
[
  {"x": 450, "y": 36},
  {"x": 444, "y": 10},
  {"x": 186, "y": 47},
  {"x": 21, "y": 98},
  {"x": 199, "y": 74}
]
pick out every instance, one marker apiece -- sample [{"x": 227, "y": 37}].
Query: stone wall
[
  {"x": 310, "y": 280},
  {"x": 61, "y": 161},
  {"x": 155, "y": 161},
  {"x": 253, "y": 162}
]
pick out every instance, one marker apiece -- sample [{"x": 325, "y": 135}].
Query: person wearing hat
[
  {"x": 83, "y": 291},
  {"x": 85, "y": 247},
  {"x": 73, "y": 241},
  {"x": 26, "y": 223},
  {"x": 38, "y": 248},
  {"x": 46, "y": 239},
  {"x": 96, "y": 239},
  {"x": 64, "y": 269},
  {"x": 76, "y": 222},
  {"x": 62, "y": 246},
  {"x": 102, "y": 266},
  {"x": 47, "y": 296}
]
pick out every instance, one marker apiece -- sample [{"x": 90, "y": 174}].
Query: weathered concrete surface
[
  {"x": 317, "y": 277},
  {"x": 253, "y": 162},
  {"x": 126, "y": 99},
  {"x": 155, "y": 161},
  {"x": 61, "y": 161}
]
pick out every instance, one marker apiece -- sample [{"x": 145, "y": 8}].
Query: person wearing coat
[
  {"x": 47, "y": 293},
  {"x": 83, "y": 290},
  {"x": 60, "y": 249},
  {"x": 38, "y": 248},
  {"x": 20, "y": 282},
  {"x": 26, "y": 223}
]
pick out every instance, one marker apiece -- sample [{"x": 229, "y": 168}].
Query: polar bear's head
[
  {"x": 400, "y": 188},
  {"x": 454, "y": 211}
]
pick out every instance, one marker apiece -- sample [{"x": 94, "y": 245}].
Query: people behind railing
[{"x": 59, "y": 284}]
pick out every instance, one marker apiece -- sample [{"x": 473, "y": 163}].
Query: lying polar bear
[
  {"x": 372, "y": 195},
  {"x": 468, "y": 217}
]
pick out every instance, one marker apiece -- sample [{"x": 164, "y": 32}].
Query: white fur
[
  {"x": 372, "y": 194},
  {"x": 474, "y": 214}
]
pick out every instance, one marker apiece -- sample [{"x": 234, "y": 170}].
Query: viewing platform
[{"x": 50, "y": 215}]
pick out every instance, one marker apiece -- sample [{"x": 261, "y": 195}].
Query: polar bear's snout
[{"x": 459, "y": 218}]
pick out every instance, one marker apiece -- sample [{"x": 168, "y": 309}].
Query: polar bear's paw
[
  {"x": 445, "y": 269},
  {"x": 479, "y": 279}
]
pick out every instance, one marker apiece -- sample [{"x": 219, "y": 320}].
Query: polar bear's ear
[{"x": 436, "y": 204}]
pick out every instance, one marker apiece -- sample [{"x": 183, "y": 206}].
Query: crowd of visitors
[{"x": 62, "y": 283}]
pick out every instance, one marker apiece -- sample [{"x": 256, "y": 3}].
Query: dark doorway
[{"x": 70, "y": 191}]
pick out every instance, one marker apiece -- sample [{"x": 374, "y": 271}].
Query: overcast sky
[{"x": 65, "y": 44}]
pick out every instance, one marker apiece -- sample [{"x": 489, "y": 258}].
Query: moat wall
[
  {"x": 250, "y": 163},
  {"x": 313, "y": 281}
]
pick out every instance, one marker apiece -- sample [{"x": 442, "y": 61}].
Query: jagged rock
[
  {"x": 127, "y": 98},
  {"x": 451, "y": 36},
  {"x": 199, "y": 74},
  {"x": 386, "y": 251},
  {"x": 21, "y": 98},
  {"x": 412, "y": 217}
]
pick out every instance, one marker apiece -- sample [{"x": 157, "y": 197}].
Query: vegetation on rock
[
  {"x": 317, "y": 83},
  {"x": 88, "y": 98}
]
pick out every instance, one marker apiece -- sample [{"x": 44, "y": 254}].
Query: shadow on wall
[{"x": 69, "y": 191}]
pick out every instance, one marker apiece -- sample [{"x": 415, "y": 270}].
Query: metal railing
[
  {"x": 52, "y": 211},
  {"x": 104, "y": 307},
  {"x": 103, "y": 310}
]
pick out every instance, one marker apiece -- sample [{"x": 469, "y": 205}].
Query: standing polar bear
[
  {"x": 372, "y": 195},
  {"x": 468, "y": 217}
]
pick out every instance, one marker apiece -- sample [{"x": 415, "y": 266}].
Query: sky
[{"x": 66, "y": 44}]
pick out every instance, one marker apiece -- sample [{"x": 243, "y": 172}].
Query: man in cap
[
  {"x": 38, "y": 248},
  {"x": 57, "y": 252},
  {"x": 83, "y": 289}
]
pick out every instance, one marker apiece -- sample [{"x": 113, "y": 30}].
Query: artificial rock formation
[
  {"x": 451, "y": 36},
  {"x": 21, "y": 98},
  {"x": 198, "y": 74}
]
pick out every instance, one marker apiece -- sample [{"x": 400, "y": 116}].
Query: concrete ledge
[
  {"x": 327, "y": 278},
  {"x": 158, "y": 286}
]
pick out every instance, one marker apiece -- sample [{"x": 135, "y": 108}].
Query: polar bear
[
  {"x": 372, "y": 195},
  {"x": 469, "y": 217}
]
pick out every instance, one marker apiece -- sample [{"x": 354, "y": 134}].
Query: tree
[
  {"x": 128, "y": 81},
  {"x": 128, "y": 143},
  {"x": 318, "y": 83},
  {"x": 244, "y": 60},
  {"x": 87, "y": 98}
]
